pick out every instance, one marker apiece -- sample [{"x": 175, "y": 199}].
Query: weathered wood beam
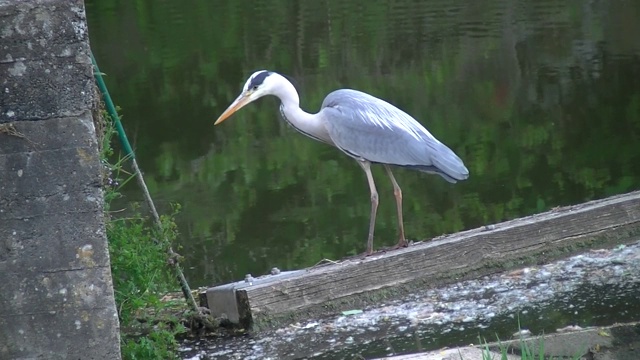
[{"x": 275, "y": 300}]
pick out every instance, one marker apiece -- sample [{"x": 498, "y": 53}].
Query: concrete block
[
  {"x": 56, "y": 291},
  {"x": 56, "y": 335},
  {"x": 31, "y": 169},
  {"x": 70, "y": 243},
  {"x": 71, "y": 132},
  {"x": 223, "y": 302},
  {"x": 45, "y": 63},
  {"x": 56, "y": 298}
]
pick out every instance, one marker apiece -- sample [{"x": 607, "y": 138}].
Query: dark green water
[{"x": 540, "y": 99}]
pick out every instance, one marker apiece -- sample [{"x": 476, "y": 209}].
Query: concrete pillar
[{"x": 56, "y": 292}]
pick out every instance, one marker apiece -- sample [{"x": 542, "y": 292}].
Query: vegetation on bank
[
  {"x": 527, "y": 352},
  {"x": 527, "y": 349},
  {"x": 141, "y": 275}
]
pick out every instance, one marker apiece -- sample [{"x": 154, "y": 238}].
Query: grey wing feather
[{"x": 371, "y": 129}]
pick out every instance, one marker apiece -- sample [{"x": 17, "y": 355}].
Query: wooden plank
[{"x": 359, "y": 282}]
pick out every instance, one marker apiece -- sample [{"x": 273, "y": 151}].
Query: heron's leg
[
  {"x": 366, "y": 166},
  {"x": 402, "y": 242}
]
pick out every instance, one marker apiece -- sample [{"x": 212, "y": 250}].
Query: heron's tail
[
  {"x": 446, "y": 164},
  {"x": 437, "y": 171}
]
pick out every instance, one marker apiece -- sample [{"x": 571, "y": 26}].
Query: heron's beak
[{"x": 238, "y": 103}]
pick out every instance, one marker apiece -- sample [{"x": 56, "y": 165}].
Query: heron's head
[{"x": 259, "y": 84}]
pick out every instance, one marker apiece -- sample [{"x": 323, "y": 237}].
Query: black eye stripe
[{"x": 259, "y": 79}]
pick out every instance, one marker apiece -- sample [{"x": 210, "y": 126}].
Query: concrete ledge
[
  {"x": 619, "y": 341},
  {"x": 463, "y": 353},
  {"x": 318, "y": 291},
  {"x": 56, "y": 297}
]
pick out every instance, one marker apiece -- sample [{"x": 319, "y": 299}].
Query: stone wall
[{"x": 56, "y": 293}]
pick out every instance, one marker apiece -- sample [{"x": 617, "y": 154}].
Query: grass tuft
[
  {"x": 139, "y": 268},
  {"x": 527, "y": 352}
]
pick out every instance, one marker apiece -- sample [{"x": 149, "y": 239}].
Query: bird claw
[{"x": 402, "y": 243}]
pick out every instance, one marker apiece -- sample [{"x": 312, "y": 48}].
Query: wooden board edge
[{"x": 261, "y": 320}]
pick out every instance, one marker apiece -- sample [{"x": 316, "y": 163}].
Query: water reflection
[{"x": 540, "y": 99}]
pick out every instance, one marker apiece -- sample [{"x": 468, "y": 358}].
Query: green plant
[
  {"x": 160, "y": 344},
  {"x": 138, "y": 252},
  {"x": 527, "y": 351}
]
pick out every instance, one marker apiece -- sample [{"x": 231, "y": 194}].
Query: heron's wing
[{"x": 369, "y": 128}]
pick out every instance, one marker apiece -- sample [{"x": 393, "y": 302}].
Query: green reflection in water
[{"x": 541, "y": 100}]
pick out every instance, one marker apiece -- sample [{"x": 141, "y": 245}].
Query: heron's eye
[{"x": 255, "y": 87}]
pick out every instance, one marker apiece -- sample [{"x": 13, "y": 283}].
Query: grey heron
[{"x": 366, "y": 128}]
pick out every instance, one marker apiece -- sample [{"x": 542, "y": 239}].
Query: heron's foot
[
  {"x": 402, "y": 243},
  {"x": 367, "y": 253}
]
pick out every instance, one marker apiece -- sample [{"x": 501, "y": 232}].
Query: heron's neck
[{"x": 309, "y": 124}]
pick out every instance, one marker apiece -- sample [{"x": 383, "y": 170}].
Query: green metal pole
[{"x": 112, "y": 110}]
